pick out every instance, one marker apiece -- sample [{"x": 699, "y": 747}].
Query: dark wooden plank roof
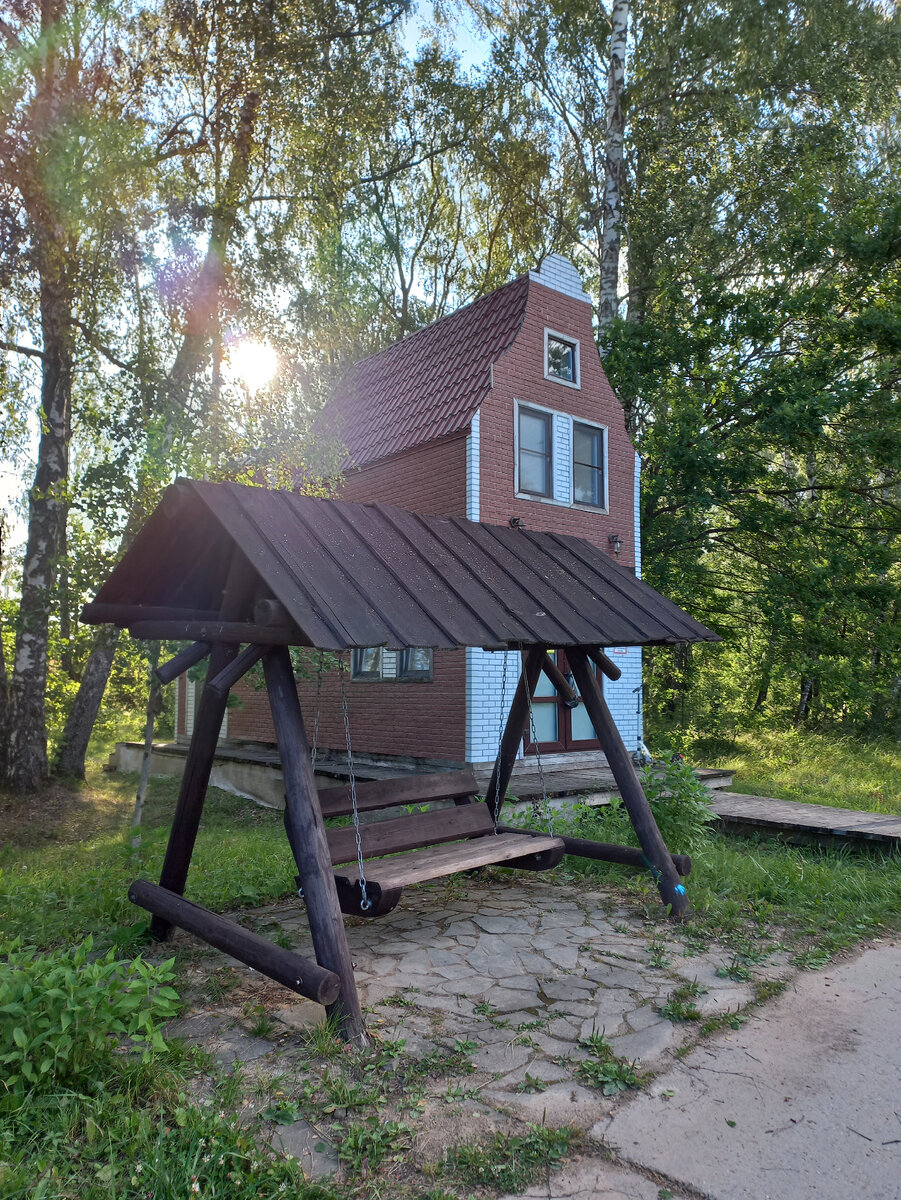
[{"x": 355, "y": 575}]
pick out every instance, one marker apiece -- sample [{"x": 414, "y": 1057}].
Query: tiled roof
[{"x": 431, "y": 383}]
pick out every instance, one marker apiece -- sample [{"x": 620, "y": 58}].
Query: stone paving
[{"x": 518, "y": 969}]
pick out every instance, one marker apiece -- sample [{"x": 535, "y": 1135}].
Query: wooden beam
[
  {"x": 271, "y": 612},
  {"x": 560, "y": 682},
  {"x": 239, "y": 582},
  {"x": 496, "y": 791},
  {"x": 192, "y": 791},
  {"x": 306, "y": 833},
  {"x": 127, "y": 614},
  {"x": 637, "y": 806},
  {"x": 628, "y": 856},
  {"x": 183, "y": 661},
  {"x": 299, "y": 974},
  {"x": 222, "y": 683},
  {"x": 607, "y": 666},
  {"x": 392, "y": 793},
  {"x": 217, "y": 631}
]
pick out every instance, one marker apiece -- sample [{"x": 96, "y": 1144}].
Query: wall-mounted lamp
[
  {"x": 616, "y": 542},
  {"x": 517, "y": 523}
]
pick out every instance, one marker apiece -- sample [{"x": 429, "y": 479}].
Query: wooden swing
[{"x": 222, "y": 565}]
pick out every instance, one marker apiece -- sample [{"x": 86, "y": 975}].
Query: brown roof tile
[{"x": 429, "y": 384}]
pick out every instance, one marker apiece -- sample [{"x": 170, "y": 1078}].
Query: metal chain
[
  {"x": 315, "y": 747},
  {"x": 534, "y": 735},
  {"x": 365, "y": 902},
  {"x": 502, "y": 720}
]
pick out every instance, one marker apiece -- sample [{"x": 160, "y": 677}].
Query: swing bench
[{"x": 221, "y": 566}]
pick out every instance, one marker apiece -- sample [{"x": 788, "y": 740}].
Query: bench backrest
[{"x": 391, "y": 793}]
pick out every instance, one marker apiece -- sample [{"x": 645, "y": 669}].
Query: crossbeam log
[
  {"x": 183, "y": 661},
  {"x": 284, "y": 966}
]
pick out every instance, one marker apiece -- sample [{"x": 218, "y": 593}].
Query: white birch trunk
[{"x": 613, "y": 165}]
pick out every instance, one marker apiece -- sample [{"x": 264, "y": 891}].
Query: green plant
[
  {"x": 509, "y": 1163},
  {"x": 531, "y": 1083},
  {"x": 680, "y": 803},
  {"x": 260, "y": 1023},
  {"x": 596, "y": 1043},
  {"x": 679, "y": 1006},
  {"x": 372, "y": 1142},
  {"x": 64, "y": 1014}
]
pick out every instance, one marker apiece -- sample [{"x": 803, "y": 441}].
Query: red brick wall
[
  {"x": 519, "y": 375},
  {"x": 419, "y": 720},
  {"x": 428, "y": 479}
]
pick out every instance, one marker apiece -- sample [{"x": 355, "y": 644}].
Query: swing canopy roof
[{"x": 348, "y": 576}]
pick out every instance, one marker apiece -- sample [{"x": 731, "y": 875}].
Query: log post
[
  {"x": 194, "y": 781},
  {"x": 306, "y": 833},
  {"x": 560, "y": 682},
  {"x": 637, "y": 806},
  {"x": 496, "y": 791}
]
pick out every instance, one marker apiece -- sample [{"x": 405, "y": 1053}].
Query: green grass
[
  {"x": 509, "y": 1163},
  {"x": 812, "y": 767},
  {"x": 55, "y": 892}
]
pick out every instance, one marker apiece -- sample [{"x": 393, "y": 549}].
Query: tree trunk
[
  {"x": 804, "y": 701},
  {"x": 26, "y": 751},
  {"x": 82, "y": 715},
  {"x": 193, "y": 353},
  {"x": 613, "y": 167}
]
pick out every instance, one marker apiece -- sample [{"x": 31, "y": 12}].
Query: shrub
[
  {"x": 62, "y": 1015},
  {"x": 680, "y": 803}
]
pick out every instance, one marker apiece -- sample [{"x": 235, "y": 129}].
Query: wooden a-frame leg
[
  {"x": 194, "y": 781},
  {"x": 637, "y": 806},
  {"x": 306, "y": 833},
  {"x": 496, "y": 791}
]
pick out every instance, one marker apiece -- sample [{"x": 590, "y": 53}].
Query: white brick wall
[
  {"x": 559, "y": 273},
  {"x": 484, "y": 715},
  {"x": 623, "y": 700},
  {"x": 562, "y": 458},
  {"x": 473, "y": 467}
]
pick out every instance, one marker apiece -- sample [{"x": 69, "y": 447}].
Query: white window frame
[
  {"x": 570, "y": 341},
  {"x": 523, "y": 405},
  {"x": 552, "y": 499},
  {"x": 605, "y": 505}
]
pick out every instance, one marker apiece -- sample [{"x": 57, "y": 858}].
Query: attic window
[{"x": 561, "y": 359}]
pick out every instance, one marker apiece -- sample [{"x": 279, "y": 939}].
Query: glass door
[{"x": 556, "y": 726}]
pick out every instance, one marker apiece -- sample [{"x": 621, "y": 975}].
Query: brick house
[{"x": 501, "y": 413}]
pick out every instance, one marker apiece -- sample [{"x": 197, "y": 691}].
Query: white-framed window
[
  {"x": 559, "y": 458},
  {"x": 535, "y": 439},
  {"x": 375, "y": 663},
  {"x": 561, "y": 358},
  {"x": 589, "y": 476}
]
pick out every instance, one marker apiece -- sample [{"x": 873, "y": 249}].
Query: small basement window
[
  {"x": 366, "y": 664},
  {"x": 415, "y": 665},
  {"x": 561, "y": 359}
]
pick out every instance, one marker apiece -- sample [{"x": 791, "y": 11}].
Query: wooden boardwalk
[{"x": 805, "y": 822}]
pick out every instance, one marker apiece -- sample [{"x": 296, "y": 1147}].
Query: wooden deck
[{"x": 805, "y": 823}]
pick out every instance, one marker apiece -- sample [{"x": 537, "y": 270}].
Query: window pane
[
  {"x": 544, "y": 687},
  {"x": 545, "y": 722},
  {"x": 533, "y": 431},
  {"x": 582, "y": 728},
  {"x": 588, "y": 465},
  {"x": 586, "y": 445},
  {"x": 417, "y": 661},
  {"x": 367, "y": 662},
  {"x": 586, "y": 485},
  {"x": 561, "y": 359},
  {"x": 533, "y": 473}
]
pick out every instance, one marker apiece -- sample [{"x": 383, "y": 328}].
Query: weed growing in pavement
[
  {"x": 373, "y": 1142},
  {"x": 603, "y": 1070},
  {"x": 509, "y": 1163},
  {"x": 531, "y": 1084},
  {"x": 680, "y": 1005},
  {"x": 259, "y": 1023}
]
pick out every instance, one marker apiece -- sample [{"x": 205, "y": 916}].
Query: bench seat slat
[
  {"x": 387, "y": 793},
  {"x": 434, "y": 862},
  {"x": 410, "y": 832}
]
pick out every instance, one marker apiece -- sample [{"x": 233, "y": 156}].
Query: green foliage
[
  {"x": 603, "y": 1070},
  {"x": 65, "y": 1014},
  {"x": 509, "y": 1163},
  {"x": 373, "y": 1142},
  {"x": 679, "y": 801}
]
